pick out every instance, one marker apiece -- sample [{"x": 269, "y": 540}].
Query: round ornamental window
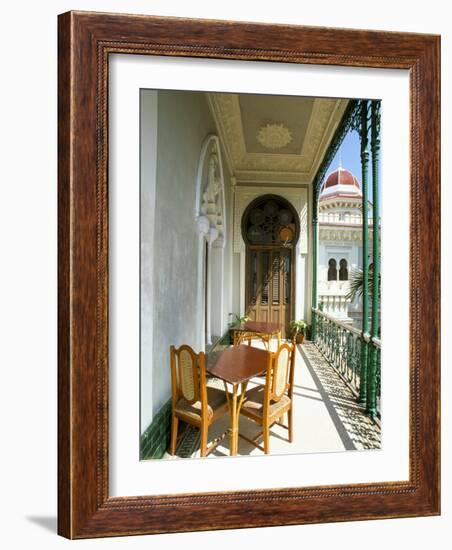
[
  {"x": 285, "y": 216},
  {"x": 271, "y": 208},
  {"x": 257, "y": 216},
  {"x": 270, "y": 221},
  {"x": 255, "y": 234}
]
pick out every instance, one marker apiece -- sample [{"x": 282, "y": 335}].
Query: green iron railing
[{"x": 341, "y": 345}]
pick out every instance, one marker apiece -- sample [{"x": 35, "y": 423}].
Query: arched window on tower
[
  {"x": 343, "y": 270},
  {"x": 332, "y": 270}
]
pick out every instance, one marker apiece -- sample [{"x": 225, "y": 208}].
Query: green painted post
[
  {"x": 315, "y": 248},
  {"x": 375, "y": 148},
  {"x": 364, "y": 131}
]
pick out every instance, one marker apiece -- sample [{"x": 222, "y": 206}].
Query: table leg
[
  {"x": 235, "y": 403},
  {"x": 233, "y": 422}
]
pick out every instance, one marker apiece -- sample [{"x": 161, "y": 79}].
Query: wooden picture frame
[{"x": 85, "y": 42}]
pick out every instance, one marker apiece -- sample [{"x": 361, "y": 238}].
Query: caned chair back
[
  {"x": 280, "y": 376},
  {"x": 188, "y": 375}
]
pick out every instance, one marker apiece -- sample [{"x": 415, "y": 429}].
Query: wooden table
[
  {"x": 236, "y": 366},
  {"x": 258, "y": 329}
]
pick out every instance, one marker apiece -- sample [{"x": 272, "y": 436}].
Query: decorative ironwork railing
[{"x": 341, "y": 345}]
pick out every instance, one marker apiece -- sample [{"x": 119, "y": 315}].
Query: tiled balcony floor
[{"x": 327, "y": 417}]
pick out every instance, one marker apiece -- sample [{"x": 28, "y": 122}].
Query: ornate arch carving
[{"x": 210, "y": 198}]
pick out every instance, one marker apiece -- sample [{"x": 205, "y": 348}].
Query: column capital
[{"x": 375, "y": 128}]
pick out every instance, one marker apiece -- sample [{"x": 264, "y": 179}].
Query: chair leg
[
  {"x": 290, "y": 426},
  {"x": 204, "y": 432},
  {"x": 266, "y": 432},
  {"x": 174, "y": 424}
]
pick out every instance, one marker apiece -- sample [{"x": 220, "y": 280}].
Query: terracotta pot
[{"x": 299, "y": 338}]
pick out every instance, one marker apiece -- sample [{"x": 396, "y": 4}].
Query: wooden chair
[
  {"x": 192, "y": 400},
  {"x": 243, "y": 337},
  {"x": 267, "y": 404},
  {"x": 248, "y": 337}
]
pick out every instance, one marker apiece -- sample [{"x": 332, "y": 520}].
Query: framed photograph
[{"x": 248, "y": 275}]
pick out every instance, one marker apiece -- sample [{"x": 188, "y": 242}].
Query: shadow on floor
[
  {"x": 354, "y": 427},
  {"x": 49, "y": 523}
]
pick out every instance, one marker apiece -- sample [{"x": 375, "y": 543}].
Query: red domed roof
[{"x": 341, "y": 177}]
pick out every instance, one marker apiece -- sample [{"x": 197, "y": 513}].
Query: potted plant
[
  {"x": 238, "y": 320},
  {"x": 236, "y": 323},
  {"x": 298, "y": 328}
]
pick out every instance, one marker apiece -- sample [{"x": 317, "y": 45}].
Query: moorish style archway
[{"x": 270, "y": 229}]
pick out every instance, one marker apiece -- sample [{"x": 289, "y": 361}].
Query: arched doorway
[{"x": 270, "y": 229}]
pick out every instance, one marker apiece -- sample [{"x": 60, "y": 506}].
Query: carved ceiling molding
[
  {"x": 325, "y": 117},
  {"x": 337, "y": 109},
  {"x": 262, "y": 176},
  {"x": 226, "y": 112}
]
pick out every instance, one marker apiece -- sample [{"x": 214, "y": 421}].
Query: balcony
[{"x": 327, "y": 416}]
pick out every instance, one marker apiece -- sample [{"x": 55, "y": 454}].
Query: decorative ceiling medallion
[
  {"x": 274, "y": 136},
  {"x": 325, "y": 117}
]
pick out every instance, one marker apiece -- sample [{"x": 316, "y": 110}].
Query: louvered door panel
[{"x": 269, "y": 291}]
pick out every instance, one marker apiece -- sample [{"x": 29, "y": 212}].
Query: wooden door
[{"x": 269, "y": 286}]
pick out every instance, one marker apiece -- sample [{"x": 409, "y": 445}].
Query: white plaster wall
[
  {"x": 170, "y": 240},
  {"x": 184, "y": 122},
  {"x": 148, "y": 175},
  {"x": 301, "y": 287},
  {"x": 236, "y": 307},
  {"x": 217, "y": 296}
]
